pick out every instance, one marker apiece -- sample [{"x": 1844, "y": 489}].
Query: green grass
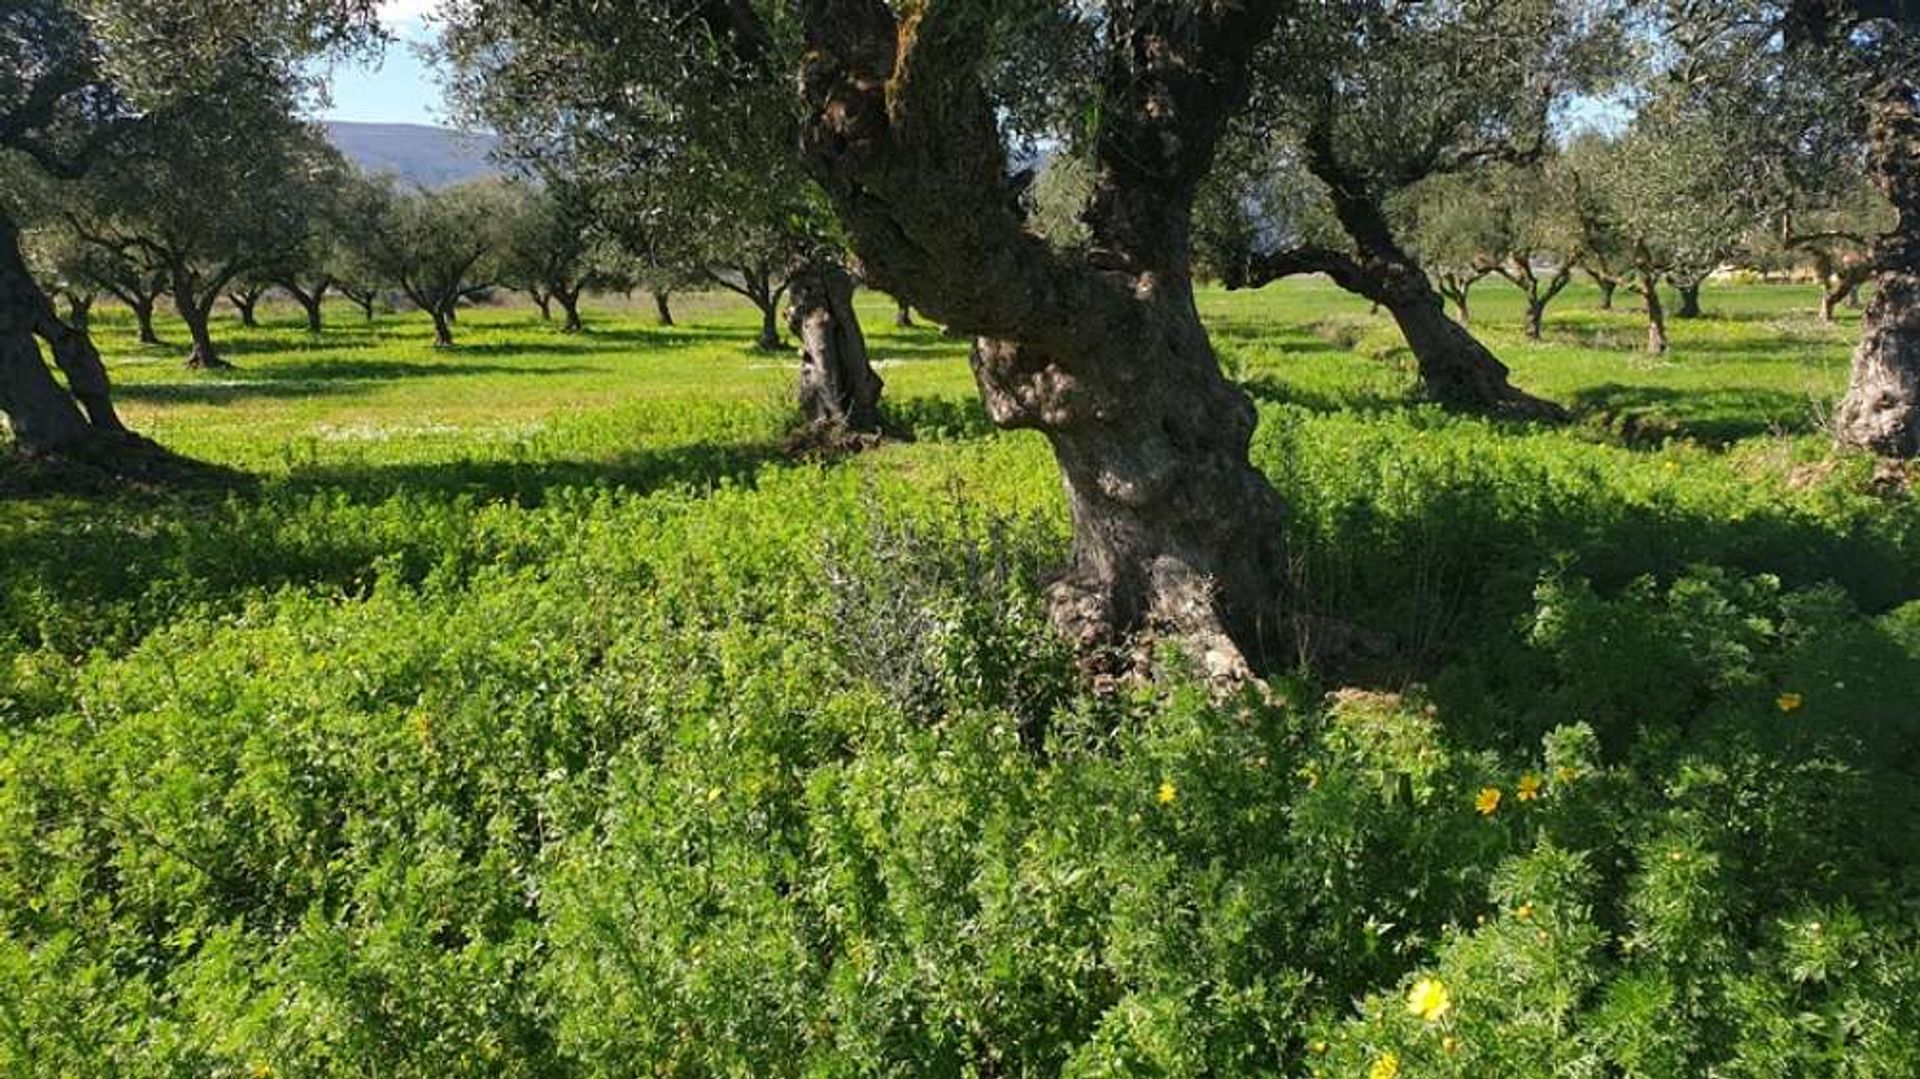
[{"x": 533, "y": 714}]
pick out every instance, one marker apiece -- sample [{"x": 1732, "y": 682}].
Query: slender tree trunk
[
  {"x": 1606, "y": 286},
  {"x": 903, "y": 315},
  {"x": 1656, "y": 315},
  {"x": 1829, "y": 296},
  {"x": 1689, "y": 300},
  {"x": 142, "y": 304},
  {"x": 203, "y": 356},
  {"x": 451, "y": 310},
  {"x": 570, "y": 305},
  {"x": 1536, "y": 317},
  {"x": 769, "y": 339},
  {"x": 1853, "y": 297},
  {"x": 544, "y": 302},
  {"x": 310, "y": 303},
  {"x": 1881, "y": 411},
  {"x": 244, "y": 304},
  {"x": 442, "y": 325},
  {"x": 662, "y": 311},
  {"x": 79, "y": 311},
  {"x": 196, "y": 314},
  {"x": 362, "y": 300},
  {"x": 839, "y": 390}
]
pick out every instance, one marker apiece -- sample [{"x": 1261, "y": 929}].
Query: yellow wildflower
[
  {"x": 1564, "y": 774},
  {"x": 1528, "y": 788},
  {"x": 1524, "y": 912},
  {"x": 1429, "y": 999},
  {"x": 1487, "y": 801},
  {"x": 260, "y": 1069},
  {"x": 1167, "y": 792},
  {"x": 1320, "y": 1045},
  {"x": 1450, "y": 1043},
  {"x": 1788, "y": 701},
  {"x": 713, "y": 795},
  {"x": 1387, "y": 1067}
]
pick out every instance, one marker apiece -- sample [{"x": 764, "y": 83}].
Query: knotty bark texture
[
  {"x": 43, "y": 415},
  {"x": 1881, "y": 411},
  {"x": 1103, "y": 353},
  {"x": 839, "y": 391}
]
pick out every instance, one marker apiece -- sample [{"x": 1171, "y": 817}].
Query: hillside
[{"x": 417, "y": 153}]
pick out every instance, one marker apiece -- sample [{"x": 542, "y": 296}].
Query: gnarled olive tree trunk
[
  {"x": 43, "y": 416},
  {"x": 662, "y": 308},
  {"x": 1103, "y": 354},
  {"x": 838, "y": 387},
  {"x": 1881, "y": 411}
]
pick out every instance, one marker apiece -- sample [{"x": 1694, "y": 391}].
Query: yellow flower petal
[
  {"x": 1528, "y": 788},
  {"x": 1167, "y": 793},
  {"x": 1788, "y": 701},
  {"x": 1429, "y": 999},
  {"x": 1487, "y": 801},
  {"x": 1387, "y": 1067}
]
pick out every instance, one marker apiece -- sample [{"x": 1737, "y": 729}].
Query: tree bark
[
  {"x": 310, "y": 300},
  {"x": 142, "y": 305},
  {"x": 442, "y": 325},
  {"x": 544, "y": 302},
  {"x": 244, "y": 303},
  {"x": 1104, "y": 354},
  {"x": 196, "y": 314},
  {"x": 1689, "y": 300},
  {"x": 1536, "y": 318},
  {"x": 79, "y": 310},
  {"x": 839, "y": 390},
  {"x": 903, "y": 315},
  {"x": 769, "y": 339},
  {"x": 570, "y": 304},
  {"x": 1606, "y": 285},
  {"x": 43, "y": 416},
  {"x": 1881, "y": 411},
  {"x": 361, "y": 298},
  {"x": 1656, "y": 315},
  {"x": 662, "y": 310},
  {"x": 1455, "y": 368}
]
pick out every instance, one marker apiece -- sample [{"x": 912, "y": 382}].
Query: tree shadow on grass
[
  {"x": 321, "y": 378},
  {"x": 123, "y": 561},
  {"x": 528, "y": 483},
  {"x": 1642, "y": 416}
]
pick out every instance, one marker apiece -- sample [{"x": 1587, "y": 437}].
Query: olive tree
[
  {"x": 439, "y": 247},
  {"x": 903, "y": 118},
  {"x": 550, "y": 247},
  {"x": 1670, "y": 189},
  {"x": 211, "y": 195},
  {"x": 1375, "y": 97},
  {"x": 698, "y": 157},
  {"x": 78, "y": 77}
]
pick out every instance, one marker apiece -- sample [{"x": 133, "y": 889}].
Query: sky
[{"x": 400, "y": 87}]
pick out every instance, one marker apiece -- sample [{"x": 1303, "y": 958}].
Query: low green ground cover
[{"x": 531, "y": 713}]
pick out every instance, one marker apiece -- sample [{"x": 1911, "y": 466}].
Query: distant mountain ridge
[{"x": 416, "y": 153}]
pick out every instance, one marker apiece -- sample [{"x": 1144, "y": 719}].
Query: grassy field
[{"x": 531, "y": 713}]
